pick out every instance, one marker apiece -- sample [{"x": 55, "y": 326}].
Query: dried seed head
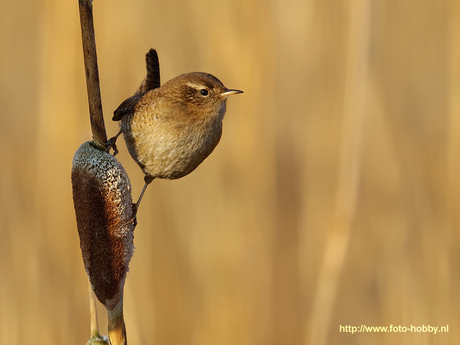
[{"x": 103, "y": 208}]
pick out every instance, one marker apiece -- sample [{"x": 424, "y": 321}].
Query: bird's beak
[{"x": 228, "y": 92}]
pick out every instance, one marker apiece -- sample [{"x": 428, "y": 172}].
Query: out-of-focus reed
[{"x": 233, "y": 253}]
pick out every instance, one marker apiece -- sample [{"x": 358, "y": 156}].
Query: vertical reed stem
[
  {"x": 352, "y": 132},
  {"x": 117, "y": 331},
  {"x": 93, "y": 312},
  {"x": 92, "y": 73}
]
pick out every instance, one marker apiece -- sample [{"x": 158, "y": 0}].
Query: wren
[{"x": 169, "y": 130}]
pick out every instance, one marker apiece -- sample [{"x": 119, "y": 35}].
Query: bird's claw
[{"x": 111, "y": 144}]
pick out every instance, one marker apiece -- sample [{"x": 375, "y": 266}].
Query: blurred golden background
[{"x": 333, "y": 198}]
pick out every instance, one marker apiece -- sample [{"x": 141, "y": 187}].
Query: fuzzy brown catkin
[{"x": 103, "y": 208}]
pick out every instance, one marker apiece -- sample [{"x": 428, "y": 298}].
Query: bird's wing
[
  {"x": 151, "y": 81},
  {"x": 127, "y": 107}
]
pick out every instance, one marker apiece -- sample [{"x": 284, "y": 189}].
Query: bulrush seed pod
[{"x": 104, "y": 212}]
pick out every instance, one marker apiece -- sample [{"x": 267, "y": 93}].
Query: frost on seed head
[{"x": 103, "y": 208}]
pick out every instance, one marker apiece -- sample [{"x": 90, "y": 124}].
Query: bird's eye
[{"x": 204, "y": 92}]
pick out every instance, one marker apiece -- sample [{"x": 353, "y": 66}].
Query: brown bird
[{"x": 170, "y": 130}]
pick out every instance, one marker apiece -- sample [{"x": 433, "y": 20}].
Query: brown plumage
[
  {"x": 152, "y": 80},
  {"x": 170, "y": 130}
]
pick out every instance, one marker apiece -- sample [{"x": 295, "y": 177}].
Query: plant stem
[
  {"x": 92, "y": 73},
  {"x": 117, "y": 330}
]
